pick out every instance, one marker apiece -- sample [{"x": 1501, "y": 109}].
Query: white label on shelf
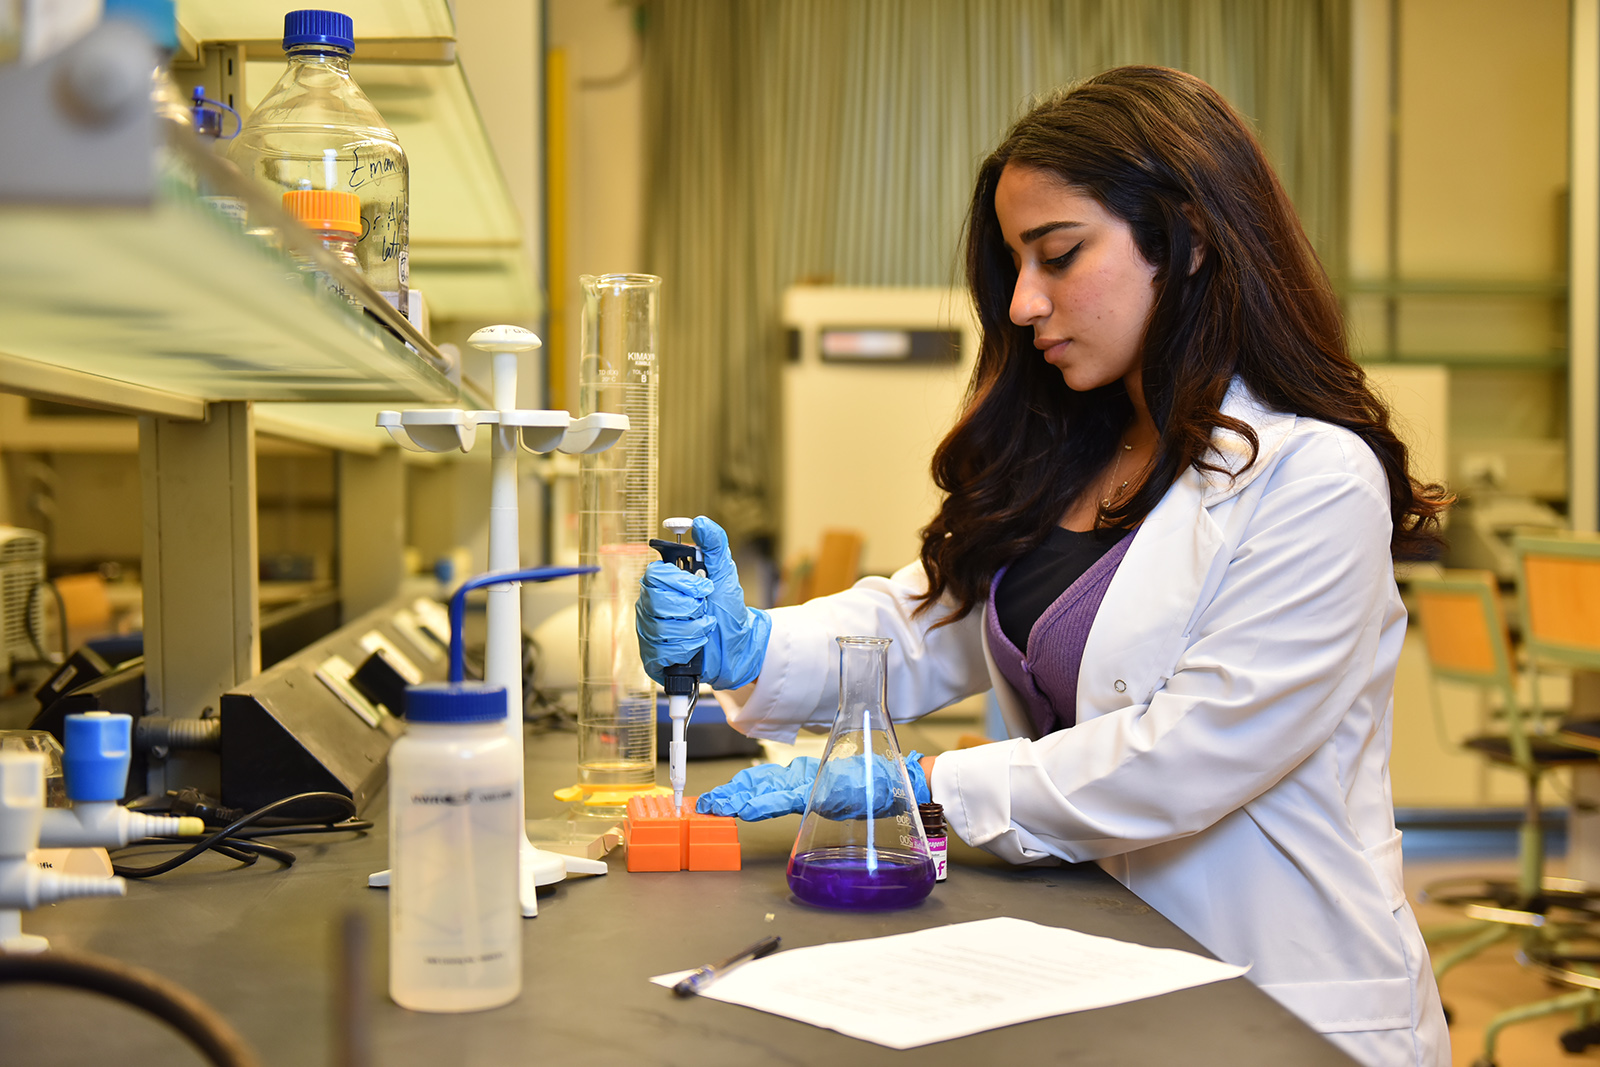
[
  {"x": 334, "y": 672},
  {"x": 373, "y": 641}
]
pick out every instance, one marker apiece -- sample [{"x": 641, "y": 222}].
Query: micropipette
[{"x": 682, "y": 679}]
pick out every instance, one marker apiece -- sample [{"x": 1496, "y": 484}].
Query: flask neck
[
  {"x": 320, "y": 55},
  {"x": 863, "y": 675}
]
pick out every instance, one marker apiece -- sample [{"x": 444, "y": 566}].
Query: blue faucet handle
[{"x": 98, "y": 746}]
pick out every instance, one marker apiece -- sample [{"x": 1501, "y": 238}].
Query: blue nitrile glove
[
  {"x": 672, "y": 619},
  {"x": 764, "y": 791},
  {"x": 842, "y": 793},
  {"x": 679, "y": 613},
  {"x": 767, "y": 790}
]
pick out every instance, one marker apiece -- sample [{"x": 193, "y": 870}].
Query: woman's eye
[{"x": 1065, "y": 258}]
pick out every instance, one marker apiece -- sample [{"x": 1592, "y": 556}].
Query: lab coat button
[{"x": 1120, "y": 686}]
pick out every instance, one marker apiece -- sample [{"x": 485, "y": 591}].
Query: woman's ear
[{"x": 1197, "y": 238}]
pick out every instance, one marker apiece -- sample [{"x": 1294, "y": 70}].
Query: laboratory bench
[{"x": 260, "y": 943}]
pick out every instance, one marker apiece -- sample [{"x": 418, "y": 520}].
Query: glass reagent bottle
[
  {"x": 334, "y": 218},
  {"x": 316, "y": 129}
]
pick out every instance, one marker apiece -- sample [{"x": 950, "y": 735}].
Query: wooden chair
[
  {"x": 835, "y": 569},
  {"x": 1559, "y": 579},
  {"x": 838, "y": 562},
  {"x": 87, "y": 607},
  {"x": 1466, "y": 640},
  {"x": 1558, "y": 582}
]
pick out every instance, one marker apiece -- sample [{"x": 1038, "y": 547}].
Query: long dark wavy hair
[{"x": 1166, "y": 154}]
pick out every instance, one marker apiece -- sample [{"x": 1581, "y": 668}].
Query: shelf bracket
[
  {"x": 201, "y": 597},
  {"x": 372, "y": 495}
]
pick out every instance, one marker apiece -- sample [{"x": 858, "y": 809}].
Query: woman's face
[{"x": 1082, "y": 283}]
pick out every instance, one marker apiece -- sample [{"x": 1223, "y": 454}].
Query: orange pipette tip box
[{"x": 659, "y": 839}]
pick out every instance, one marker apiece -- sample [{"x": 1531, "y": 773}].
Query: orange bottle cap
[{"x": 325, "y": 209}]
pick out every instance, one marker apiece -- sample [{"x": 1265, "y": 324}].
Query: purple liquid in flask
[{"x": 840, "y": 878}]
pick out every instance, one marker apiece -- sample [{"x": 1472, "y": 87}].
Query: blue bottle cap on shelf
[
  {"x": 455, "y": 702},
  {"x": 319, "y": 27},
  {"x": 97, "y": 747},
  {"x": 157, "y": 18}
]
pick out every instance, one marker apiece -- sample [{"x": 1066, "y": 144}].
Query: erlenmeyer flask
[{"x": 861, "y": 843}]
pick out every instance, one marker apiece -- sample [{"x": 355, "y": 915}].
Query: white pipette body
[{"x": 678, "y": 749}]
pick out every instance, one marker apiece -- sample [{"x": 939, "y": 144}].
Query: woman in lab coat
[{"x": 1168, "y": 451}]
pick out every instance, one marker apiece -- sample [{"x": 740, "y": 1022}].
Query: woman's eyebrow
[{"x": 1030, "y": 236}]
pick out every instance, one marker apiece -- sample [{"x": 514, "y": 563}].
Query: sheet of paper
[{"x": 931, "y": 985}]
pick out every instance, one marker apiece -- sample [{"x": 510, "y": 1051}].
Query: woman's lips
[{"x": 1052, "y": 348}]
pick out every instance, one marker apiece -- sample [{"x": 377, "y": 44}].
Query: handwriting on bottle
[{"x": 365, "y": 170}]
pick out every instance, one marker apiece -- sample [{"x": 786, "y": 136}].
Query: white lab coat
[{"x": 1230, "y": 759}]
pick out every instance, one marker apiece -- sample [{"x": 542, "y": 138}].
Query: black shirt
[{"x": 1038, "y": 578}]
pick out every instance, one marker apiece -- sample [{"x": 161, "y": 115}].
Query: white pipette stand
[{"x": 435, "y": 430}]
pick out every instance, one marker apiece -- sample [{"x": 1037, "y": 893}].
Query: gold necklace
[{"x": 1116, "y": 494}]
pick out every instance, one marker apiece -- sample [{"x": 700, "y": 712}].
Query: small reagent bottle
[
  {"x": 933, "y": 825},
  {"x": 455, "y": 819},
  {"x": 334, "y": 218}
]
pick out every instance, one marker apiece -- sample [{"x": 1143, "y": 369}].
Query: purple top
[{"x": 1046, "y": 673}]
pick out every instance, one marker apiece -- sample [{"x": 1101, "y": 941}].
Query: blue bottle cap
[
  {"x": 319, "y": 27},
  {"x": 455, "y": 702},
  {"x": 97, "y": 747},
  {"x": 157, "y": 18}
]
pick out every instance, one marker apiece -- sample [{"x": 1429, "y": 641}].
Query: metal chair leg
[
  {"x": 1536, "y": 1010},
  {"x": 1490, "y": 934},
  {"x": 1435, "y": 933}
]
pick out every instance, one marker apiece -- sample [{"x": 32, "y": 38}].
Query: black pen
[{"x": 691, "y": 984}]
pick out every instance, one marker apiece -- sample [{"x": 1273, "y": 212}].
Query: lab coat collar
[{"x": 1231, "y": 451}]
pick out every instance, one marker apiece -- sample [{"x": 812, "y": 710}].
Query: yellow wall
[
  {"x": 604, "y": 150},
  {"x": 1482, "y": 185},
  {"x": 1482, "y": 178}
]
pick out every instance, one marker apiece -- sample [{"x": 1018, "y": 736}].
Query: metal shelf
[
  {"x": 139, "y": 297},
  {"x": 385, "y": 24},
  {"x": 158, "y": 311},
  {"x": 339, "y": 427}
]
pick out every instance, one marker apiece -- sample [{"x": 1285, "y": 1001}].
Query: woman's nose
[{"x": 1029, "y": 304}]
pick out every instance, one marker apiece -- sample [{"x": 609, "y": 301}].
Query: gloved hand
[
  {"x": 767, "y": 790},
  {"x": 842, "y": 792},
  {"x": 679, "y": 613},
  {"x": 764, "y": 791}
]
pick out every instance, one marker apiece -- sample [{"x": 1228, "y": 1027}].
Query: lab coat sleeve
[
  {"x": 929, "y": 666},
  {"x": 1268, "y": 668}
]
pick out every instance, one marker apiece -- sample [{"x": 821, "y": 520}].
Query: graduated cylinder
[{"x": 617, "y": 518}]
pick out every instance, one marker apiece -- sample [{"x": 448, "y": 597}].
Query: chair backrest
[
  {"x": 838, "y": 562},
  {"x": 1465, "y": 634},
  {"x": 1559, "y": 579},
  {"x": 86, "y": 604},
  {"x": 1464, "y": 630}
]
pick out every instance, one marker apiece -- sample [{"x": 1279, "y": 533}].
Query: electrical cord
[
  {"x": 171, "y": 1003},
  {"x": 237, "y": 840}
]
